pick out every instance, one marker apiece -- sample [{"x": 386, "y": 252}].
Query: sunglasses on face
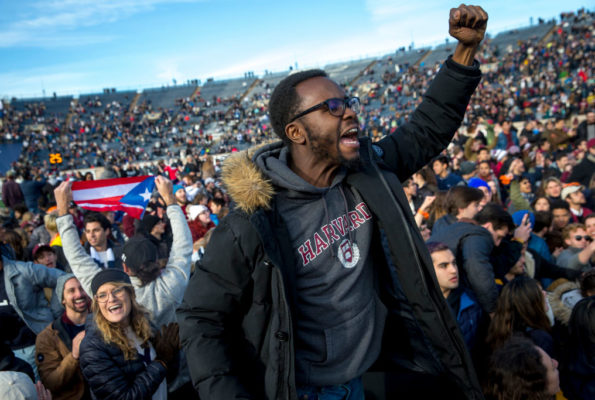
[
  {"x": 104, "y": 296},
  {"x": 579, "y": 237},
  {"x": 335, "y": 107}
]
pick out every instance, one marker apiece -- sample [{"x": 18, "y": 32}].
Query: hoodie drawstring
[
  {"x": 326, "y": 214},
  {"x": 328, "y": 222},
  {"x": 351, "y": 241}
]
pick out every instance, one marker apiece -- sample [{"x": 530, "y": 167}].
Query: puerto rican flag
[{"x": 130, "y": 195}]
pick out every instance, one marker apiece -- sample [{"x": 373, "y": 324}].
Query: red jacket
[{"x": 198, "y": 230}]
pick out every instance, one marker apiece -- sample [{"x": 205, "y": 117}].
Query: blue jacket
[
  {"x": 503, "y": 142},
  {"x": 450, "y": 181},
  {"x": 32, "y": 192},
  {"x": 468, "y": 317},
  {"x": 24, "y": 287},
  {"x": 540, "y": 246}
]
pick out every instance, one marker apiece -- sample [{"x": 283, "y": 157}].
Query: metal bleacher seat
[
  {"x": 165, "y": 97},
  {"x": 508, "y": 40},
  {"x": 345, "y": 72},
  {"x": 123, "y": 98},
  {"x": 438, "y": 55},
  {"x": 225, "y": 89},
  {"x": 54, "y": 106},
  {"x": 268, "y": 82}
]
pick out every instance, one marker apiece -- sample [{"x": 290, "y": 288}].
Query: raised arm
[
  {"x": 81, "y": 263},
  {"x": 433, "y": 124},
  {"x": 173, "y": 280}
]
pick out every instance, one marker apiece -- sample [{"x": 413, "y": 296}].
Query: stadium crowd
[{"x": 506, "y": 212}]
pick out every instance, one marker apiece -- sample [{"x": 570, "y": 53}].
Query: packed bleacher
[{"x": 507, "y": 210}]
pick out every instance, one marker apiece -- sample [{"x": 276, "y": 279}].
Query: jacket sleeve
[
  {"x": 469, "y": 154},
  {"x": 434, "y": 122},
  {"x": 40, "y": 275},
  {"x": 547, "y": 269},
  {"x": 172, "y": 282},
  {"x": 210, "y": 316},
  {"x": 81, "y": 263},
  {"x": 570, "y": 260},
  {"x": 107, "y": 381},
  {"x": 479, "y": 271},
  {"x": 517, "y": 199},
  {"x": 55, "y": 371}
]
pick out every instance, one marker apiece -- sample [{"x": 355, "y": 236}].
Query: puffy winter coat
[{"x": 110, "y": 376}]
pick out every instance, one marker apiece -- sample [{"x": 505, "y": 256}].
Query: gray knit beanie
[{"x": 60, "y": 286}]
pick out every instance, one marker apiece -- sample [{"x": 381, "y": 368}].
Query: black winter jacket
[
  {"x": 112, "y": 377},
  {"x": 472, "y": 246},
  {"x": 236, "y": 319}
]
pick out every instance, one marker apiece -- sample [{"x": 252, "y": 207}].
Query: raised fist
[{"x": 468, "y": 24}]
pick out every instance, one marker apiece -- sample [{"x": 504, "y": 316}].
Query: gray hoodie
[{"x": 340, "y": 320}]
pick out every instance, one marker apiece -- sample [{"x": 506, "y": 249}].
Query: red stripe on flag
[
  {"x": 79, "y": 185},
  {"x": 103, "y": 200},
  {"x": 106, "y": 195}
]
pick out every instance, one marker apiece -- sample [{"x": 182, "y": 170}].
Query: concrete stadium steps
[
  {"x": 345, "y": 72},
  {"x": 54, "y": 106},
  {"x": 508, "y": 40},
  {"x": 123, "y": 98},
  {"x": 226, "y": 89},
  {"x": 438, "y": 55},
  {"x": 265, "y": 85},
  {"x": 165, "y": 97}
]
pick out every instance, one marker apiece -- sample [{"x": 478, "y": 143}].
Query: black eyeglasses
[
  {"x": 336, "y": 107},
  {"x": 579, "y": 237}
]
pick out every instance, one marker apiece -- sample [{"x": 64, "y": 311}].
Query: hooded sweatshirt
[{"x": 339, "y": 321}]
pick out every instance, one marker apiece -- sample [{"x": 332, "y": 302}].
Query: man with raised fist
[{"x": 319, "y": 274}]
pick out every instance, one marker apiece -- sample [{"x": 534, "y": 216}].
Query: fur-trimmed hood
[
  {"x": 561, "y": 311},
  {"x": 246, "y": 184},
  {"x": 253, "y": 176}
]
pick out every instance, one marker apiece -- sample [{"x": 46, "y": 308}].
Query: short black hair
[
  {"x": 557, "y": 204},
  {"x": 217, "y": 201},
  {"x": 284, "y": 100},
  {"x": 434, "y": 247},
  {"x": 443, "y": 160},
  {"x": 495, "y": 214},
  {"x": 543, "y": 219},
  {"x": 96, "y": 217}
]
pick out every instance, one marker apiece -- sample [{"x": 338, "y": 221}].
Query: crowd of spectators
[{"x": 506, "y": 212}]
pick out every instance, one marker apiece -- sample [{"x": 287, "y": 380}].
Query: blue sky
[{"x": 82, "y": 46}]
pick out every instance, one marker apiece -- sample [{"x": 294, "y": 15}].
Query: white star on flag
[{"x": 146, "y": 195}]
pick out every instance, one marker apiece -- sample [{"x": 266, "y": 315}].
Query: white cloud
[
  {"x": 18, "y": 84},
  {"x": 53, "y": 20}
]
